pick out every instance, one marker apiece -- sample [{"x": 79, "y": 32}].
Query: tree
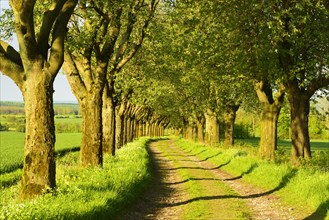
[
  {"x": 111, "y": 33},
  {"x": 285, "y": 45},
  {"x": 302, "y": 44},
  {"x": 33, "y": 68}
]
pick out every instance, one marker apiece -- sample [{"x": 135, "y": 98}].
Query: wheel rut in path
[{"x": 185, "y": 187}]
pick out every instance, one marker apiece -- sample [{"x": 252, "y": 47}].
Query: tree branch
[
  {"x": 317, "y": 84},
  {"x": 56, "y": 58},
  {"x": 126, "y": 36},
  {"x": 10, "y": 53},
  {"x": 24, "y": 25},
  {"x": 137, "y": 46},
  {"x": 73, "y": 76},
  {"x": 48, "y": 20},
  {"x": 113, "y": 34},
  {"x": 12, "y": 70}
]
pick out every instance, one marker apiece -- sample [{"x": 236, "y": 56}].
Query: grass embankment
[
  {"x": 82, "y": 193},
  {"x": 305, "y": 189}
]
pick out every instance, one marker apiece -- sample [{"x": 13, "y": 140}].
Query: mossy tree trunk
[
  {"x": 229, "y": 120},
  {"x": 39, "y": 148},
  {"x": 33, "y": 69},
  {"x": 271, "y": 107}
]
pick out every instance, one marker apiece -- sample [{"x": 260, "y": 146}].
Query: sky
[{"x": 10, "y": 92}]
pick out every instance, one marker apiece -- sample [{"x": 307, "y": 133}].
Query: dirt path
[{"x": 187, "y": 188}]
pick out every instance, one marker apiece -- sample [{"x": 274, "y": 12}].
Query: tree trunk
[
  {"x": 268, "y": 140},
  {"x": 91, "y": 152},
  {"x": 271, "y": 107},
  {"x": 200, "y": 127},
  {"x": 140, "y": 129},
  {"x": 131, "y": 129},
  {"x": 39, "y": 156},
  {"x": 229, "y": 117},
  {"x": 189, "y": 132},
  {"x": 300, "y": 109},
  {"x": 125, "y": 129},
  {"x": 119, "y": 125},
  {"x": 212, "y": 130},
  {"x": 108, "y": 115}
]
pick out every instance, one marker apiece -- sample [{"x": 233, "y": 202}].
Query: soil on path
[{"x": 185, "y": 187}]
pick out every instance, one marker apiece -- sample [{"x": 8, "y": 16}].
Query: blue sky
[{"x": 10, "y": 92}]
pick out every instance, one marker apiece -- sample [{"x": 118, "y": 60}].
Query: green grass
[
  {"x": 306, "y": 189},
  {"x": 92, "y": 193},
  {"x": 12, "y": 148},
  {"x": 286, "y": 144},
  {"x": 68, "y": 120}
]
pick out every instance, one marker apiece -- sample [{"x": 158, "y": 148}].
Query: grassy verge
[
  {"x": 86, "y": 193},
  {"x": 306, "y": 189}
]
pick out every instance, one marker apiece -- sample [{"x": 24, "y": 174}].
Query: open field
[{"x": 12, "y": 148}]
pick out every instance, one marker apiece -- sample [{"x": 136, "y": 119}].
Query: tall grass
[
  {"x": 94, "y": 193},
  {"x": 306, "y": 189}
]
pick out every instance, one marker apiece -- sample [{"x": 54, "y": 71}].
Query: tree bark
[
  {"x": 108, "y": 115},
  {"x": 300, "y": 109},
  {"x": 229, "y": 117},
  {"x": 268, "y": 140},
  {"x": 39, "y": 148},
  {"x": 91, "y": 152},
  {"x": 212, "y": 130},
  {"x": 271, "y": 107}
]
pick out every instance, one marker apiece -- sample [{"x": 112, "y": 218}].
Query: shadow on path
[
  {"x": 282, "y": 184},
  {"x": 252, "y": 167},
  {"x": 198, "y": 167},
  {"x": 193, "y": 179}
]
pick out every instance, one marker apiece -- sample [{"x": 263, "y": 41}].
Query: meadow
[{"x": 12, "y": 148}]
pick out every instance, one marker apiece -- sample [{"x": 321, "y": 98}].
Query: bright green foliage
[{"x": 92, "y": 193}]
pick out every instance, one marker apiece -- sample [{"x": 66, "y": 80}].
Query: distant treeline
[{"x": 17, "y": 108}]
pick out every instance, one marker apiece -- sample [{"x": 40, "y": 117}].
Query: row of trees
[
  {"x": 201, "y": 62},
  {"x": 101, "y": 37},
  {"x": 220, "y": 56}
]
